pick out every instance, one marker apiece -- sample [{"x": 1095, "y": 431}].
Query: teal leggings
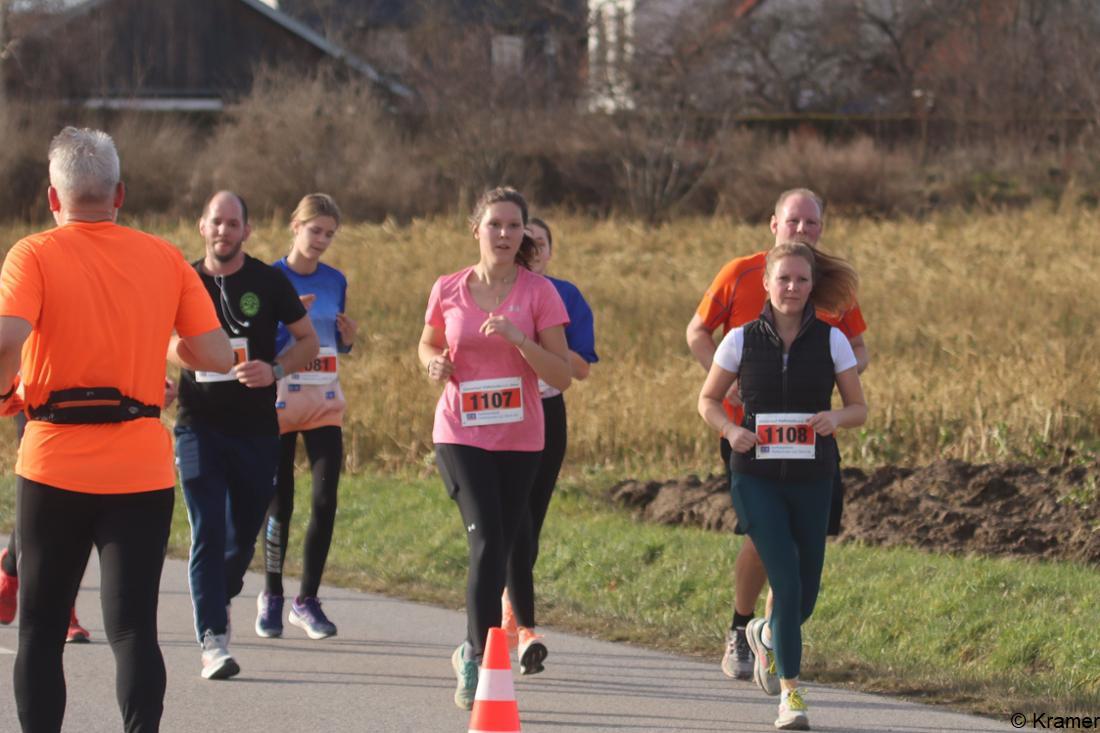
[{"x": 787, "y": 523}]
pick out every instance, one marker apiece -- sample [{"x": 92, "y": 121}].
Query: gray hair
[{"x": 84, "y": 165}]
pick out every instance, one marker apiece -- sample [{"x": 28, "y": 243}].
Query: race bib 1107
[{"x": 491, "y": 401}]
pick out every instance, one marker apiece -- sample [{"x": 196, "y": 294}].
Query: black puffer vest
[{"x": 806, "y": 385}]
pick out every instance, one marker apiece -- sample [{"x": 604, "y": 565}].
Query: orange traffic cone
[{"x": 495, "y": 709}]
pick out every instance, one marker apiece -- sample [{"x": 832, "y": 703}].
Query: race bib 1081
[{"x": 321, "y": 369}]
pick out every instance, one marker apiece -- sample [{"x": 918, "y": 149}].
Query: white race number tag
[
  {"x": 785, "y": 435},
  {"x": 240, "y": 356},
  {"x": 491, "y": 401},
  {"x": 321, "y": 369}
]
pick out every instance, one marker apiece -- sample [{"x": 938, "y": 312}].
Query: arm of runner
[
  {"x": 578, "y": 367},
  {"x": 347, "y": 329},
  {"x": 854, "y": 412},
  {"x": 13, "y": 332},
  {"x": 434, "y": 354},
  {"x": 171, "y": 392},
  {"x": 304, "y": 348},
  {"x": 717, "y": 384},
  {"x": 208, "y": 352},
  {"x": 549, "y": 357},
  {"x": 700, "y": 340},
  {"x": 863, "y": 356}
]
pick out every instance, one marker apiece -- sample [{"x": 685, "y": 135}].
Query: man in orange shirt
[
  {"x": 87, "y": 314},
  {"x": 734, "y": 298}
]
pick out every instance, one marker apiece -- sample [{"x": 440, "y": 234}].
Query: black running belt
[{"x": 91, "y": 405}]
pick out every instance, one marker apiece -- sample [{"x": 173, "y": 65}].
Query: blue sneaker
[
  {"x": 306, "y": 613},
  {"x": 269, "y": 615}
]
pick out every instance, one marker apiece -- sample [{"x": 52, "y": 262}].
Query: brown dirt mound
[{"x": 948, "y": 506}]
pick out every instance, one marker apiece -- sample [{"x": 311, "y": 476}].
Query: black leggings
[
  {"x": 525, "y": 552},
  {"x": 491, "y": 490},
  {"x": 57, "y": 530},
  {"x": 325, "y": 448}
]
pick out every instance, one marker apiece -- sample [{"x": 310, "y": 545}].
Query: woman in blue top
[
  {"x": 309, "y": 402},
  {"x": 581, "y": 339}
]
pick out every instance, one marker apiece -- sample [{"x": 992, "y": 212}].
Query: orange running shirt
[
  {"x": 737, "y": 296},
  {"x": 102, "y": 301}
]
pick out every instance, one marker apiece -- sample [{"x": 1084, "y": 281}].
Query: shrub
[{"x": 293, "y": 135}]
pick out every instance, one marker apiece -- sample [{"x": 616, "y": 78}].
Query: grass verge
[{"x": 978, "y": 634}]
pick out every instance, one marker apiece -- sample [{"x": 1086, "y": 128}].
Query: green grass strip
[{"x": 980, "y": 634}]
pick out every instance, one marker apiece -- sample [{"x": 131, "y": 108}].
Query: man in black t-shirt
[{"x": 227, "y": 432}]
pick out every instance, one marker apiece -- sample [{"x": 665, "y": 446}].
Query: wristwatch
[{"x": 277, "y": 370}]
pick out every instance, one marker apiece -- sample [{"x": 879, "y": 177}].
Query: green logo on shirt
[{"x": 250, "y": 304}]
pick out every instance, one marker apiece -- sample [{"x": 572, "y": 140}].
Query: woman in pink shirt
[{"x": 491, "y": 331}]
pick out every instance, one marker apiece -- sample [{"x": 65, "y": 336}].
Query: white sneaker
[
  {"x": 216, "y": 662},
  {"x": 737, "y": 660},
  {"x": 792, "y": 712},
  {"x": 763, "y": 670}
]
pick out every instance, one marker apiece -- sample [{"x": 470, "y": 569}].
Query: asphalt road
[{"x": 389, "y": 670}]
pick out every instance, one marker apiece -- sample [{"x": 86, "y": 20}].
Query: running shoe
[
  {"x": 738, "y": 659},
  {"x": 9, "y": 593},
  {"x": 307, "y": 614},
  {"x": 76, "y": 634},
  {"x": 532, "y": 651},
  {"x": 466, "y": 674},
  {"x": 792, "y": 712},
  {"x": 269, "y": 615},
  {"x": 508, "y": 621},
  {"x": 763, "y": 669},
  {"x": 217, "y": 664}
]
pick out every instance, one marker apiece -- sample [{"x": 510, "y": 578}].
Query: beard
[{"x": 227, "y": 256}]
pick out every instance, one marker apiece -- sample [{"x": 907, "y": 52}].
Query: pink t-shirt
[{"x": 492, "y": 399}]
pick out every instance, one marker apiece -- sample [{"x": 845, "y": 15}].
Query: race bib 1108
[{"x": 785, "y": 435}]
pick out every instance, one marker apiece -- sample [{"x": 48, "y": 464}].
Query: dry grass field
[{"x": 982, "y": 329}]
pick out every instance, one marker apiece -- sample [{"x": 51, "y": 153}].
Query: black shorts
[{"x": 836, "y": 507}]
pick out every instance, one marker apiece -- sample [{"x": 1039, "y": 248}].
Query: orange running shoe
[
  {"x": 9, "y": 593},
  {"x": 77, "y": 634},
  {"x": 532, "y": 651},
  {"x": 508, "y": 621}
]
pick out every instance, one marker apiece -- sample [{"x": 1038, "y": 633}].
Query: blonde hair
[
  {"x": 835, "y": 282},
  {"x": 313, "y": 205}
]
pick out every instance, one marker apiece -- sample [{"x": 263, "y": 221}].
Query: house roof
[
  {"x": 308, "y": 34},
  {"x": 44, "y": 25}
]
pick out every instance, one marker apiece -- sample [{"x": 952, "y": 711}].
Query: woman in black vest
[{"x": 784, "y": 454}]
